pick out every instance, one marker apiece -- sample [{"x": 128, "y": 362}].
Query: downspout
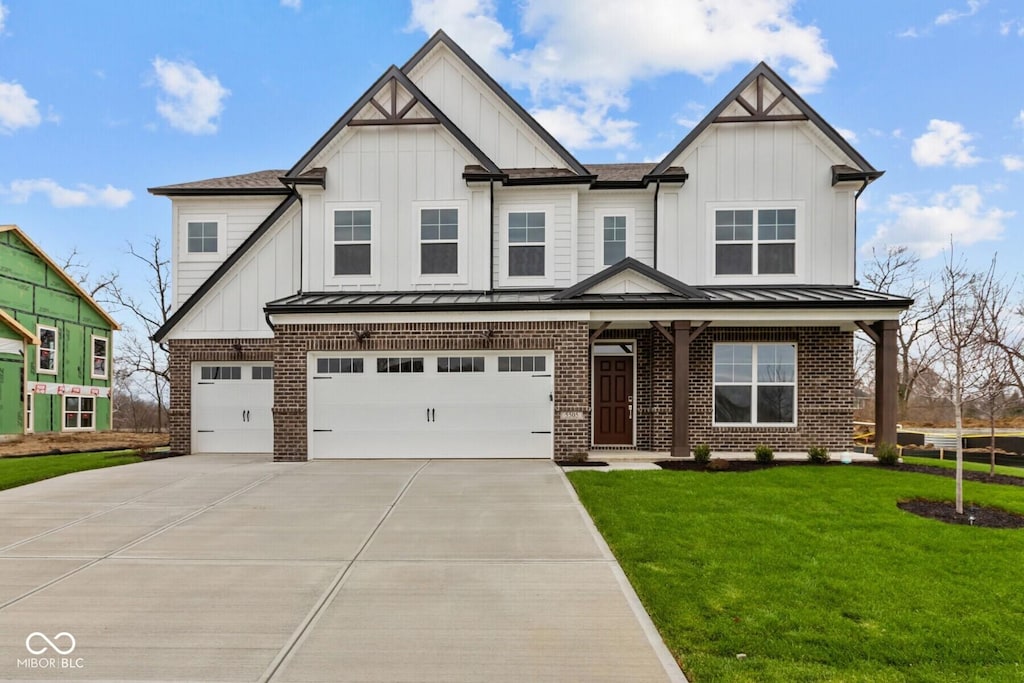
[
  {"x": 657, "y": 189},
  {"x": 302, "y": 254},
  {"x": 490, "y": 240},
  {"x": 864, "y": 186},
  {"x": 266, "y": 316}
]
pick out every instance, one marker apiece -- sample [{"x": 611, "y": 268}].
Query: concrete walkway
[{"x": 228, "y": 568}]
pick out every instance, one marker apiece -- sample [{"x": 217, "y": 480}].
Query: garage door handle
[
  {"x": 433, "y": 415},
  {"x": 323, "y": 430}
]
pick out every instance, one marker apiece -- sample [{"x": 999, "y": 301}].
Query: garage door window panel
[
  {"x": 461, "y": 364},
  {"x": 334, "y": 366},
  {"x": 220, "y": 372},
  {"x": 399, "y": 365},
  {"x": 522, "y": 363}
]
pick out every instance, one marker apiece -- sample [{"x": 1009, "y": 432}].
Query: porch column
[
  {"x": 885, "y": 381},
  {"x": 681, "y": 389}
]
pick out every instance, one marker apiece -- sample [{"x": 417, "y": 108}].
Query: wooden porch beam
[
  {"x": 866, "y": 329},
  {"x": 664, "y": 332},
  {"x": 696, "y": 333},
  {"x": 597, "y": 333},
  {"x": 681, "y": 389}
]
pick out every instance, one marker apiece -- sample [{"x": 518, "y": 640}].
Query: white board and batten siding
[
  {"x": 394, "y": 171},
  {"x": 237, "y": 218},
  {"x": 474, "y": 108},
  {"x": 759, "y": 165},
  {"x": 637, "y": 205},
  {"x": 234, "y": 306},
  {"x": 562, "y": 206}
]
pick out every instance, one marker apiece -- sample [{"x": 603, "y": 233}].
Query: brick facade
[{"x": 824, "y": 378}]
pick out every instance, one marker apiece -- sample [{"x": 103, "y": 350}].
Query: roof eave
[
  {"x": 841, "y": 176},
  {"x": 218, "y": 192}
]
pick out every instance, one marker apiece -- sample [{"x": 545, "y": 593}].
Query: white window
[
  {"x": 203, "y": 237},
  {"x": 765, "y": 246},
  {"x": 100, "y": 357},
  {"x": 29, "y": 424},
  {"x": 47, "y": 354},
  {"x": 613, "y": 235},
  {"x": 79, "y": 413},
  {"x": 352, "y": 242},
  {"x": 439, "y": 241},
  {"x": 527, "y": 244},
  {"x": 755, "y": 384},
  {"x": 351, "y": 253}
]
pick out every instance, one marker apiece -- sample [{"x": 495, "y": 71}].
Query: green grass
[
  {"x": 21, "y": 471},
  {"x": 815, "y": 574},
  {"x": 968, "y": 466}
]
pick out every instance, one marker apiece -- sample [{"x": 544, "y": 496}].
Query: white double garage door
[{"x": 392, "y": 404}]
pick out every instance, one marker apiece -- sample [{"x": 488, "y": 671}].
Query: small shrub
[
  {"x": 887, "y": 454},
  {"x": 764, "y": 454},
  {"x": 718, "y": 465},
  {"x": 702, "y": 453},
  {"x": 817, "y": 455}
]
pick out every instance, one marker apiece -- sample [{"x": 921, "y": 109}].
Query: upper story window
[
  {"x": 202, "y": 237},
  {"x": 613, "y": 236},
  {"x": 755, "y": 384},
  {"x": 100, "y": 358},
  {"x": 47, "y": 352},
  {"x": 353, "y": 245},
  {"x": 439, "y": 241},
  {"x": 527, "y": 242},
  {"x": 755, "y": 241}
]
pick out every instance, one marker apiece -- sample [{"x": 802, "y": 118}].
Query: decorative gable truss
[
  {"x": 762, "y": 100},
  {"x": 393, "y": 105}
]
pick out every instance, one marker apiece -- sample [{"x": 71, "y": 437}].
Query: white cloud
[
  {"x": 909, "y": 33},
  {"x": 17, "y": 109},
  {"x": 1012, "y": 26},
  {"x": 946, "y": 142},
  {"x": 292, "y": 4},
  {"x": 951, "y": 15},
  {"x": 590, "y": 128},
  {"x": 584, "y": 59},
  {"x": 1019, "y": 121},
  {"x": 20, "y": 191},
  {"x": 848, "y": 134},
  {"x": 959, "y": 214},
  {"x": 3, "y": 16},
  {"x": 1013, "y": 163},
  {"x": 192, "y": 100}
]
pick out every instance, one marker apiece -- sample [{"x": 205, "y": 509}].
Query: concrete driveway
[{"x": 229, "y": 568}]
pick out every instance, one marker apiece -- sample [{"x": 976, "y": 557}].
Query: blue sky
[{"x": 99, "y": 101}]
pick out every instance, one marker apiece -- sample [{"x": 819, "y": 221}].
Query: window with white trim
[
  {"x": 100, "y": 357},
  {"x": 770, "y": 249},
  {"x": 613, "y": 239},
  {"x": 439, "y": 241},
  {"x": 755, "y": 384},
  {"x": 79, "y": 413},
  {"x": 353, "y": 243},
  {"x": 527, "y": 243},
  {"x": 47, "y": 353},
  {"x": 202, "y": 237}
]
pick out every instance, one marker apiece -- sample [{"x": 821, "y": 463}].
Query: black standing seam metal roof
[
  {"x": 738, "y": 297},
  {"x": 763, "y": 69}
]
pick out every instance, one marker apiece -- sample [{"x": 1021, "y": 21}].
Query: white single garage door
[
  {"x": 231, "y": 407},
  {"x": 431, "y": 405}
]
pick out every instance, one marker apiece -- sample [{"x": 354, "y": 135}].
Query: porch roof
[{"x": 734, "y": 297}]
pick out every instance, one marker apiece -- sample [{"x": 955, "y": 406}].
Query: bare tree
[
  {"x": 991, "y": 398},
  {"x": 139, "y": 354},
  {"x": 958, "y": 326},
  {"x": 897, "y": 272},
  {"x": 97, "y": 286}
]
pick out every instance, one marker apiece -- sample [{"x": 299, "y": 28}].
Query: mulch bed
[
  {"x": 734, "y": 465},
  {"x": 968, "y": 476},
  {"x": 582, "y": 463},
  {"x": 974, "y": 515}
]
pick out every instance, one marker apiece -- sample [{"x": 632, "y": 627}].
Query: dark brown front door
[{"x": 613, "y": 400}]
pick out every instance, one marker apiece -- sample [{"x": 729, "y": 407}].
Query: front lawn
[
  {"x": 21, "y": 471},
  {"x": 968, "y": 466},
  {"x": 815, "y": 575}
]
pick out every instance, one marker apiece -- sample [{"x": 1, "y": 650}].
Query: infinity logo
[{"x": 36, "y": 635}]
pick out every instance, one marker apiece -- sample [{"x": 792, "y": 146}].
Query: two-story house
[
  {"x": 56, "y": 345},
  {"x": 439, "y": 277}
]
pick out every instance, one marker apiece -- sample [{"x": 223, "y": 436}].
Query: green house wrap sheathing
[{"x": 34, "y": 291}]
